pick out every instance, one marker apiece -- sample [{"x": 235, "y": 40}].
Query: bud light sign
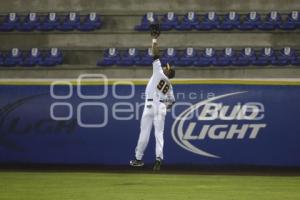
[
  {"x": 250, "y": 113},
  {"x": 212, "y": 122}
]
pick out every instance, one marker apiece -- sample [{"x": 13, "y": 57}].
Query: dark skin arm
[{"x": 155, "y": 50}]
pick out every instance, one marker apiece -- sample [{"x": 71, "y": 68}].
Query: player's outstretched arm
[
  {"x": 155, "y": 49},
  {"x": 155, "y": 32}
]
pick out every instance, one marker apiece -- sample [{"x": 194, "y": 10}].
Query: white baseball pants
[{"x": 154, "y": 114}]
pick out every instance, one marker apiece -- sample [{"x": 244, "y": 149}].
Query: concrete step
[
  {"x": 139, "y": 7},
  {"x": 86, "y": 41},
  {"x": 73, "y": 71}
]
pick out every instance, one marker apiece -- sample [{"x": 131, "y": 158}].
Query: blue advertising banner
[{"x": 213, "y": 122}]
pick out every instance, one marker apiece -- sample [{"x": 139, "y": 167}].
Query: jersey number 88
[{"x": 163, "y": 86}]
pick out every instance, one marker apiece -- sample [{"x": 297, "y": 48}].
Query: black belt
[{"x": 159, "y": 100}]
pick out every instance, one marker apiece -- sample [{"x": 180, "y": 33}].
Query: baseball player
[{"x": 159, "y": 98}]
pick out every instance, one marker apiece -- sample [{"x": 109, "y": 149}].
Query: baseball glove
[{"x": 154, "y": 30}]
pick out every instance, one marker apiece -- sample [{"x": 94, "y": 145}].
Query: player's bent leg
[
  {"x": 159, "y": 123},
  {"x": 146, "y": 126}
]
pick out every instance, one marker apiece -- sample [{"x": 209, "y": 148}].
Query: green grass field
[{"x": 138, "y": 186}]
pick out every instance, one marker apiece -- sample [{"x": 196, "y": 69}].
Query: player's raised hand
[{"x": 154, "y": 30}]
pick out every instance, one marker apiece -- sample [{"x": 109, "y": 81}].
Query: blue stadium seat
[
  {"x": 169, "y": 56},
  {"x": 13, "y": 58},
  {"x": 225, "y": 58},
  {"x": 265, "y": 57},
  {"x": 146, "y": 58},
  {"x": 10, "y": 23},
  {"x": 147, "y": 19},
  {"x": 206, "y": 58},
  {"x": 32, "y": 59},
  {"x": 292, "y": 21},
  {"x": 230, "y": 21},
  {"x": 285, "y": 56},
  {"x": 52, "y": 58},
  {"x": 250, "y": 22},
  {"x": 110, "y": 57},
  {"x": 271, "y": 21},
  {"x": 189, "y": 22},
  {"x": 129, "y": 58},
  {"x": 91, "y": 22},
  {"x": 50, "y": 22},
  {"x": 211, "y": 21},
  {"x": 169, "y": 21},
  {"x": 30, "y": 23},
  {"x": 188, "y": 58},
  {"x": 296, "y": 60},
  {"x": 71, "y": 22},
  {"x": 245, "y": 57}
]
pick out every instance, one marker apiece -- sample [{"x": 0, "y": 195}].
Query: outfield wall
[{"x": 215, "y": 122}]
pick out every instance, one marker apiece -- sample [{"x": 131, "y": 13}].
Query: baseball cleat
[
  {"x": 136, "y": 163},
  {"x": 157, "y": 164}
]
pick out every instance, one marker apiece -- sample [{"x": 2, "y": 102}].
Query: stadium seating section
[
  {"x": 33, "y": 57},
  {"x": 70, "y": 21},
  {"x": 203, "y": 57},
  {"x": 50, "y": 22},
  {"x": 230, "y": 21}
]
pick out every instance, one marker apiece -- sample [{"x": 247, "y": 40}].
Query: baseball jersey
[{"x": 159, "y": 86}]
